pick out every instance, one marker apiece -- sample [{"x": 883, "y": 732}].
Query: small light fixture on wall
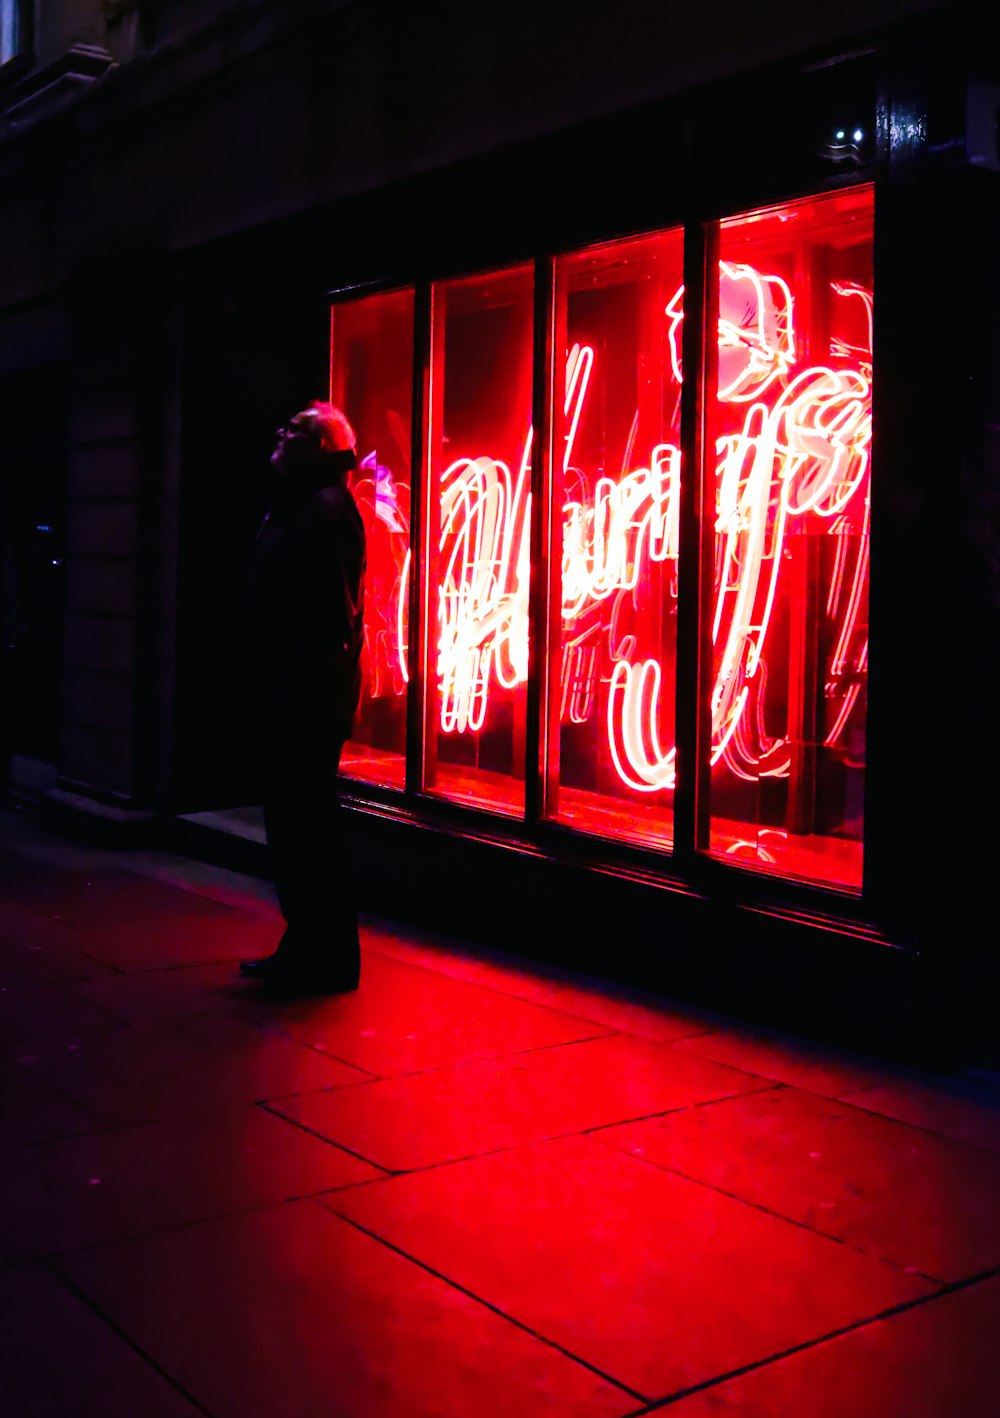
[{"x": 846, "y": 144}]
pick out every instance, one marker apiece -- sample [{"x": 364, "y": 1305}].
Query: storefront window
[
  {"x": 371, "y": 379},
  {"x": 788, "y": 499},
  {"x": 478, "y": 537},
  {"x": 790, "y": 602},
  {"x": 617, "y": 479}
]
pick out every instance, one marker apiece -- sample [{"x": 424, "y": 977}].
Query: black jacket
[{"x": 305, "y": 608}]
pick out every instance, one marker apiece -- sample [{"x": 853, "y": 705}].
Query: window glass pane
[
  {"x": 10, "y": 27},
  {"x": 790, "y": 603},
  {"x": 478, "y": 529},
  {"x": 617, "y": 477},
  {"x": 371, "y": 379}
]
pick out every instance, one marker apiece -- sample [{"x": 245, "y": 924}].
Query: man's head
[{"x": 318, "y": 436}]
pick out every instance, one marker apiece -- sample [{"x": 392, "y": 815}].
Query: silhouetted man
[{"x": 305, "y": 613}]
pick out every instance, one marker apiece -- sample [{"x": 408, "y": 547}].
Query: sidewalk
[{"x": 472, "y": 1189}]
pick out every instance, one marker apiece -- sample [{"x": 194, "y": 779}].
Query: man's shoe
[
  {"x": 282, "y": 973},
  {"x": 268, "y": 967}
]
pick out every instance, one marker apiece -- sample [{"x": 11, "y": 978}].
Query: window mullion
[
  {"x": 694, "y": 645},
  {"x": 423, "y": 558}
]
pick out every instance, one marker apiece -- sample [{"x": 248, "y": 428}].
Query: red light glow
[{"x": 806, "y": 453}]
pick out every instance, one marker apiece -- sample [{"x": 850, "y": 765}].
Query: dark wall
[
  {"x": 275, "y": 108},
  {"x": 34, "y": 416},
  {"x": 255, "y": 344}
]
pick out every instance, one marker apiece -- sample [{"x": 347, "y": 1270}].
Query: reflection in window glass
[
  {"x": 371, "y": 379},
  {"x": 790, "y": 603},
  {"x": 617, "y": 476},
  {"x": 478, "y": 529},
  {"x": 10, "y": 29}
]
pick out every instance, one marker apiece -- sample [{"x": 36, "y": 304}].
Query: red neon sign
[{"x": 798, "y": 447}]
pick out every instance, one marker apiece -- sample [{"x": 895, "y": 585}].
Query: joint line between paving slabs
[
  {"x": 125, "y": 1337},
  {"x": 518, "y": 1324},
  {"x": 269, "y": 1028},
  {"x": 667, "y": 1112},
  {"x": 766, "y": 1210},
  {"x": 605, "y": 1033},
  {"x": 442, "y": 1067},
  {"x": 296, "y": 1123},
  {"x": 659, "y": 1404}
]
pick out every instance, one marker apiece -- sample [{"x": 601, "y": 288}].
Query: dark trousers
[{"x": 310, "y": 852}]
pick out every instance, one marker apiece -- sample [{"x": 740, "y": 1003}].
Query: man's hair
[{"x": 330, "y": 425}]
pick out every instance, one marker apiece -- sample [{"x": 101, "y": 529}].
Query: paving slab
[
  {"x": 177, "y": 992},
  {"x": 126, "y": 1181},
  {"x": 148, "y": 1071},
  {"x": 446, "y": 1114},
  {"x": 88, "y": 898},
  {"x": 192, "y": 937},
  {"x": 653, "y": 1279},
  {"x": 36, "y": 1011},
  {"x": 57, "y": 1356},
  {"x": 943, "y": 1107},
  {"x": 139, "y": 1159},
  {"x": 801, "y": 1063},
  {"x": 925, "y": 1203},
  {"x": 631, "y": 1011},
  {"x": 35, "y": 949},
  {"x": 478, "y": 965},
  {"x": 206, "y": 879},
  {"x": 32, "y": 1110},
  {"x": 406, "y": 1018},
  {"x": 29, "y": 881},
  {"x": 291, "y": 1311},
  {"x": 23, "y": 833},
  {"x": 938, "y": 1360}
]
